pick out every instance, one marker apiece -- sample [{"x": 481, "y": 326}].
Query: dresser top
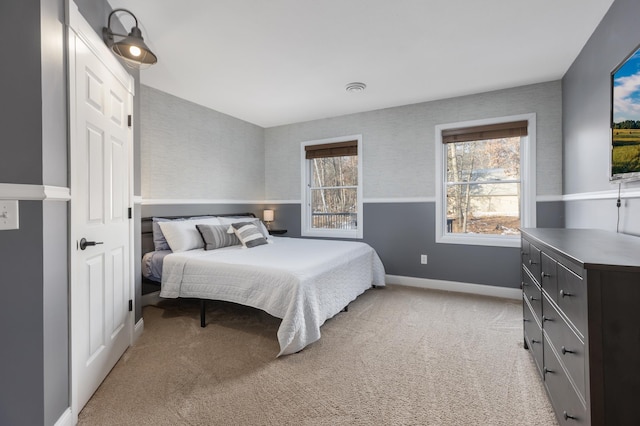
[{"x": 592, "y": 248}]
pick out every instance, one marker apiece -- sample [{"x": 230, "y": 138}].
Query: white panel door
[{"x": 100, "y": 197}]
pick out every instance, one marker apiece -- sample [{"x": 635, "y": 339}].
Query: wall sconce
[
  {"x": 267, "y": 215},
  {"x": 131, "y": 48}
]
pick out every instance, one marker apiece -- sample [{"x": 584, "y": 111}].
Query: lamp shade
[
  {"x": 131, "y": 48},
  {"x": 268, "y": 215}
]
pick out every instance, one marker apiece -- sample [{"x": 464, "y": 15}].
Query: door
[{"x": 101, "y": 324}]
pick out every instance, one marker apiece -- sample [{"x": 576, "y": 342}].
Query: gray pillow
[
  {"x": 216, "y": 236},
  {"x": 248, "y": 234}
]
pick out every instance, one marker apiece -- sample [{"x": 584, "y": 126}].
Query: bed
[{"x": 301, "y": 281}]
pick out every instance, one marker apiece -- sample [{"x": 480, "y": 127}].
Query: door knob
[{"x": 84, "y": 243}]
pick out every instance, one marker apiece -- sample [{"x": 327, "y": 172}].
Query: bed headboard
[{"x": 147, "y": 227}]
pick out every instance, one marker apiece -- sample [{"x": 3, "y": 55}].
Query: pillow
[
  {"x": 248, "y": 234},
  {"x": 258, "y": 223},
  {"x": 182, "y": 235},
  {"x": 216, "y": 236},
  {"x": 159, "y": 241}
]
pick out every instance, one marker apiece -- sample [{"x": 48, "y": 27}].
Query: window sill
[
  {"x": 332, "y": 233},
  {"x": 480, "y": 240}
]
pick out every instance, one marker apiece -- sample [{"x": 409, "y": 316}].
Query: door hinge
[
  {"x": 130, "y": 305},
  {"x": 130, "y": 213},
  {"x": 129, "y": 120}
]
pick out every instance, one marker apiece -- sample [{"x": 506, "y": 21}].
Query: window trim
[
  {"x": 527, "y": 179},
  {"x": 305, "y": 175}
]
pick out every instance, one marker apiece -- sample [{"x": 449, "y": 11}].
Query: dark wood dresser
[{"x": 581, "y": 306}]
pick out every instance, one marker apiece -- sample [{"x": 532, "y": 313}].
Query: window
[
  {"x": 332, "y": 187},
  {"x": 485, "y": 181}
]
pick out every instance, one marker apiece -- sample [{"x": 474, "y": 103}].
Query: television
[{"x": 625, "y": 119}]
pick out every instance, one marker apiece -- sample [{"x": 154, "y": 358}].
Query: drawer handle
[
  {"x": 568, "y": 416},
  {"x": 546, "y": 370},
  {"x": 532, "y": 298},
  {"x": 526, "y": 320},
  {"x": 566, "y": 351},
  {"x": 565, "y": 294},
  {"x": 545, "y": 275},
  {"x": 534, "y": 341},
  {"x": 524, "y": 284},
  {"x": 531, "y": 262},
  {"x": 546, "y": 319}
]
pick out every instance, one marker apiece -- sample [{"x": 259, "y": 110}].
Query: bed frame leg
[
  {"x": 346, "y": 309},
  {"x": 203, "y": 307}
]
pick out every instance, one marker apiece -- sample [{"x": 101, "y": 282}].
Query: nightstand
[{"x": 277, "y": 231}]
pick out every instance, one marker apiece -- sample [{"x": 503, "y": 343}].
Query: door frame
[{"x": 79, "y": 29}]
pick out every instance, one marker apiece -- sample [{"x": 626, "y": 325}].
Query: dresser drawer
[
  {"x": 568, "y": 407},
  {"x": 533, "y": 261},
  {"x": 533, "y": 335},
  {"x": 549, "y": 275},
  {"x": 572, "y": 298},
  {"x": 532, "y": 293},
  {"x": 567, "y": 345}
]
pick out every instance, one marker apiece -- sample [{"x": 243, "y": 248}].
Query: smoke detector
[{"x": 355, "y": 87}]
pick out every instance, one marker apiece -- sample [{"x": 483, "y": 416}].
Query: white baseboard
[
  {"x": 66, "y": 419},
  {"x": 480, "y": 289},
  {"x": 137, "y": 330}
]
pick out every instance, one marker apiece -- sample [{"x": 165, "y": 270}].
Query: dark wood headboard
[{"x": 147, "y": 227}]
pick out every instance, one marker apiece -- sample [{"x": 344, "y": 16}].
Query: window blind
[
  {"x": 338, "y": 149},
  {"x": 489, "y": 131}
]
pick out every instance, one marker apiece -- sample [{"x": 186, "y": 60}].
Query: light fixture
[
  {"x": 267, "y": 215},
  {"x": 131, "y": 48},
  {"x": 355, "y": 87}
]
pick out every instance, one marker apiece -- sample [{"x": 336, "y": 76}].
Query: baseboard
[
  {"x": 66, "y": 419},
  {"x": 137, "y": 330},
  {"x": 480, "y": 289}
]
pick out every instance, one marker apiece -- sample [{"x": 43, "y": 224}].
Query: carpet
[{"x": 399, "y": 356}]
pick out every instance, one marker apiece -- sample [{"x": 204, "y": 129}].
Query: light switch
[{"x": 8, "y": 214}]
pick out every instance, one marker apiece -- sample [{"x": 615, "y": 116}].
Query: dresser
[{"x": 581, "y": 312}]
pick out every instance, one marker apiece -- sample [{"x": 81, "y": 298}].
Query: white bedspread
[{"x": 304, "y": 282}]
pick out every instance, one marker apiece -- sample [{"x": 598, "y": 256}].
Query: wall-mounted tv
[{"x": 625, "y": 119}]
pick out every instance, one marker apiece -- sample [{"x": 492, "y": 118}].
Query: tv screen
[{"x": 625, "y": 120}]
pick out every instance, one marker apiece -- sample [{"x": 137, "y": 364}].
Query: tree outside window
[
  {"x": 332, "y": 187},
  {"x": 483, "y": 186}
]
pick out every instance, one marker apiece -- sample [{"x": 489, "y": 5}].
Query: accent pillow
[
  {"x": 159, "y": 241},
  {"x": 248, "y": 234},
  {"x": 183, "y": 235},
  {"x": 215, "y": 236},
  {"x": 258, "y": 223}
]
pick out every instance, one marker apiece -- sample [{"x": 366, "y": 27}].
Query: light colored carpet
[{"x": 399, "y": 356}]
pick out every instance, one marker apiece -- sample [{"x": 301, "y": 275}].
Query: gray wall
[
  {"x": 192, "y": 152},
  {"x": 586, "y": 116},
  {"x": 399, "y": 147},
  {"x": 399, "y": 162},
  {"x": 34, "y": 322}
]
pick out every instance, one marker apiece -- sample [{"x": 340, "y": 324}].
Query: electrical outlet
[
  {"x": 423, "y": 259},
  {"x": 8, "y": 214}
]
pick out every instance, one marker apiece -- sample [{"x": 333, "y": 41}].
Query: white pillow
[
  {"x": 259, "y": 224},
  {"x": 183, "y": 235}
]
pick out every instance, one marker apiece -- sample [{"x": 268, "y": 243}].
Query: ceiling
[{"x": 279, "y": 62}]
